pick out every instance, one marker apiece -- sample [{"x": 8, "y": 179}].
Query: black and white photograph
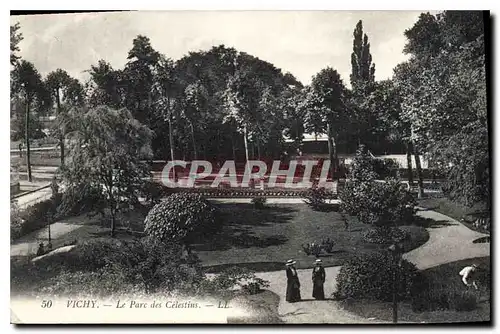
[{"x": 250, "y": 167}]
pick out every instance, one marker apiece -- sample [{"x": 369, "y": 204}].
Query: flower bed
[{"x": 208, "y": 192}]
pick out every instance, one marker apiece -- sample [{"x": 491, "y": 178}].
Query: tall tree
[
  {"x": 294, "y": 115},
  {"x": 27, "y": 82},
  {"x": 139, "y": 77},
  {"x": 105, "y": 152},
  {"x": 106, "y": 86},
  {"x": 362, "y": 83},
  {"x": 165, "y": 92},
  {"x": 362, "y": 68},
  {"x": 407, "y": 78},
  {"x": 57, "y": 81},
  {"x": 327, "y": 111},
  {"x": 15, "y": 38},
  {"x": 445, "y": 101},
  {"x": 195, "y": 109}
]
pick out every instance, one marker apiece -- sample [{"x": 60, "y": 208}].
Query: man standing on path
[
  {"x": 318, "y": 278},
  {"x": 293, "y": 283}
]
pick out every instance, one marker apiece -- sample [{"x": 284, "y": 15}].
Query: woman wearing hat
[
  {"x": 318, "y": 278},
  {"x": 293, "y": 284}
]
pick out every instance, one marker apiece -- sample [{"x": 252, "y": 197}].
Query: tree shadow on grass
[
  {"x": 238, "y": 225},
  {"x": 431, "y": 223},
  {"x": 253, "y": 266},
  {"x": 247, "y": 215},
  {"x": 315, "y": 300},
  {"x": 228, "y": 239},
  {"x": 329, "y": 254},
  {"x": 328, "y": 208}
]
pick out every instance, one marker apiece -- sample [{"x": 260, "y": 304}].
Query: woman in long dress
[
  {"x": 293, "y": 283},
  {"x": 318, "y": 278}
]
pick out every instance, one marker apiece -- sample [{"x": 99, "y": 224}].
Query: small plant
[
  {"x": 259, "y": 202},
  {"x": 234, "y": 277},
  {"x": 312, "y": 249},
  {"x": 254, "y": 286},
  {"x": 327, "y": 245},
  {"x": 316, "y": 198}
]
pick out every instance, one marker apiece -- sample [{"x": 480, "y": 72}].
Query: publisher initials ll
[{"x": 223, "y": 305}]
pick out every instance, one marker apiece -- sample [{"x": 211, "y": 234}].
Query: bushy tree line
[{"x": 222, "y": 103}]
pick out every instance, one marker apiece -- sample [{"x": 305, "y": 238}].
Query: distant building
[{"x": 316, "y": 146}]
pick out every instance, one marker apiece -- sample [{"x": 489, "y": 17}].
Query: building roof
[{"x": 307, "y": 137}]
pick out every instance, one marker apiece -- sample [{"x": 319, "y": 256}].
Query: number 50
[{"x": 46, "y": 303}]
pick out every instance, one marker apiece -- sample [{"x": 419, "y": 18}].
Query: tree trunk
[
  {"x": 419, "y": 173},
  {"x": 409, "y": 151},
  {"x": 246, "y": 142},
  {"x": 27, "y": 137},
  {"x": 113, "y": 222},
  {"x": 258, "y": 150},
  {"x": 335, "y": 156},
  {"x": 330, "y": 151},
  {"x": 246, "y": 147},
  {"x": 195, "y": 152},
  {"x": 61, "y": 136},
  {"x": 233, "y": 146},
  {"x": 171, "y": 141}
]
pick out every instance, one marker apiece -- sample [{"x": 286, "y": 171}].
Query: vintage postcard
[{"x": 250, "y": 167}]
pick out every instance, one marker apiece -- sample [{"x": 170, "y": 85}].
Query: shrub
[
  {"x": 316, "y": 198},
  {"x": 385, "y": 235},
  {"x": 371, "y": 277},
  {"x": 463, "y": 301},
  {"x": 385, "y": 168},
  {"x": 153, "y": 192},
  {"x": 90, "y": 255},
  {"x": 316, "y": 249},
  {"x": 378, "y": 203},
  {"x": 327, "y": 245},
  {"x": 182, "y": 217},
  {"x": 82, "y": 198},
  {"x": 362, "y": 168},
  {"x": 259, "y": 202},
  {"x": 231, "y": 278},
  {"x": 312, "y": 249},
  {"x": 144, "y": 264},
  {"x": 158, "y": 265},
  {"x": 37, "y": 215},
  {"x": 16, "y": 222},
  {"x": 444, "y": 299}
]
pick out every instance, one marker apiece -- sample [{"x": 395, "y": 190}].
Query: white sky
[{"x": 301, "y": 42}]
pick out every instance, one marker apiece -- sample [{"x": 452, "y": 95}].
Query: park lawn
[
  {"x": 455, "y": 210},
  {"x": 262, "y": 240},
  {"x": 443, "y": 278}
]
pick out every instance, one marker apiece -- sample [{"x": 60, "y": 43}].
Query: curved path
[{"x": 449, "y": 241}]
